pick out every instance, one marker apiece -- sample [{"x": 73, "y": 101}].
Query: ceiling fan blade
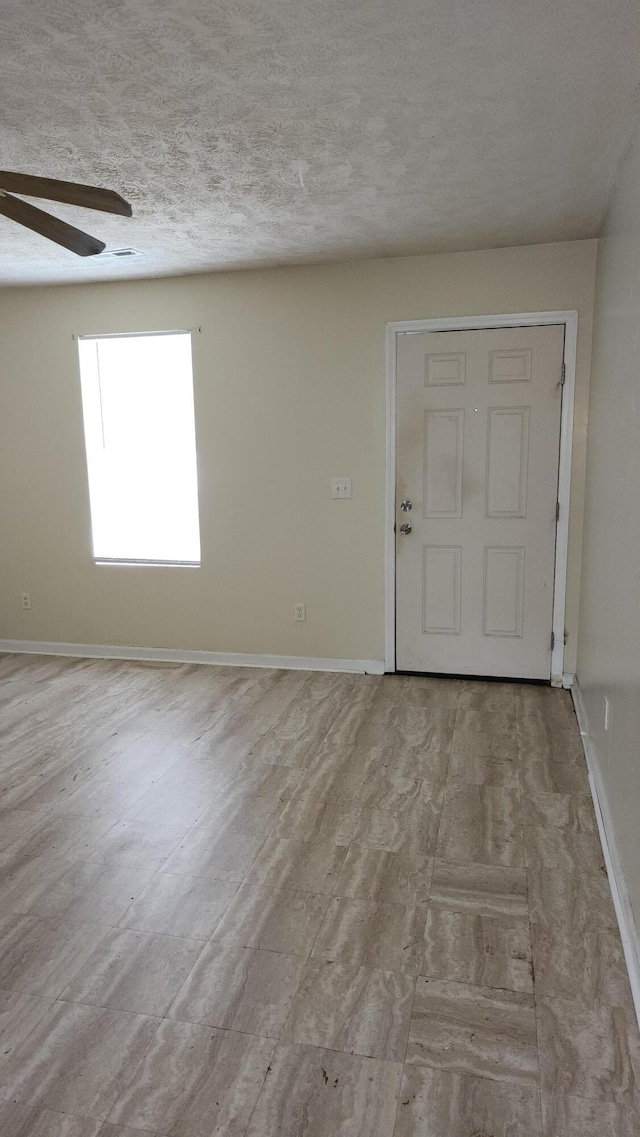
[
  {"x": 72, "y": 193},
  {"x": 48, "y": 226}
]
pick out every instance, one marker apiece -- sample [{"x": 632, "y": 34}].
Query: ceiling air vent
[{"x": 120, "y": 253}]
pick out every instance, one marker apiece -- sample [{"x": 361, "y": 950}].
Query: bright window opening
[{"x": 137, "y": 398}]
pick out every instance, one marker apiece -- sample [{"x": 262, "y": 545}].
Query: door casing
[{"x": 472, "y": 323}]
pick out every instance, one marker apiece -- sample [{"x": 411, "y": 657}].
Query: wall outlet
[
  {"x": 606, "y": 713},
  {"x": 300, "y": 611},
  {"x": 26, "y": 600},
  {"x": 341, "y": 487}
]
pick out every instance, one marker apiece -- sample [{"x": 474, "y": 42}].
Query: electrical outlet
[
  {"x": 341, "y": 487},
  {"x": 300, "y": 611},
  {"x": 26, "y": 600},
  {"x": 606, "y": 713}
]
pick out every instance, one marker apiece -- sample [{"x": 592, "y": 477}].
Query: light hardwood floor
[{"x": 307, "y": 905}]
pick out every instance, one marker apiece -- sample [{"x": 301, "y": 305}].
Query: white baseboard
[
  {"x": 568, "y": 679},
  {"x": 177, "y": 655},
  {"x": 619, "y": 891}
]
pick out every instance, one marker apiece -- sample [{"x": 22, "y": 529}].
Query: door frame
[{"x": 474, "y": 323}]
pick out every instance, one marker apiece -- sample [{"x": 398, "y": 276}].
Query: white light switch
[{"x": 341, "y": 487}]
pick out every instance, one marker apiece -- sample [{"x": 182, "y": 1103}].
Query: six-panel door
[{"x": 478, "y": 435}]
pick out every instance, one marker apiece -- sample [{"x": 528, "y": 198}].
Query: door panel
[
  {"x": 478, "y": 436},
  {"x": 507, "y": 461},
  {"x": 441, "y": 589},
  {"x": 503, "y": 600},
  {"x": 443, "y": 458}
]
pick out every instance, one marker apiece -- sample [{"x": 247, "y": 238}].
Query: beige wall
[
  {"x": 609, "y": 644},
  {"x": 290, "y": 391}
]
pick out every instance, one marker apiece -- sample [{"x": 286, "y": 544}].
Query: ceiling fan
[{"x": 91, "y": 197}]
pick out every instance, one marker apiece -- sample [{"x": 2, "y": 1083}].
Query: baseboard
[
  {"x": 177, "y": 655},
  {"x": 568, "y": 679},
  {"x": 619, "y": 891}
]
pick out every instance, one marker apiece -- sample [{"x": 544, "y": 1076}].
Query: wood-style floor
[{"x": 306, "y": 905}]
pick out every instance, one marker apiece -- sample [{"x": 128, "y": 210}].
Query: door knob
[
  {"x": 405, "y": 505},
  {"x": 405, "y": 529}
]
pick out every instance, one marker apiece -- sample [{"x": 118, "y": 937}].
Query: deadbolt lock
[{"x": 405, "y": 505}]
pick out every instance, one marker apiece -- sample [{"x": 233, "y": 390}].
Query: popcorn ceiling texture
[{"x": 249, "y": 132}]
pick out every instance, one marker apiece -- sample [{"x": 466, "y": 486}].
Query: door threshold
[{"x": 475, "y": 678}]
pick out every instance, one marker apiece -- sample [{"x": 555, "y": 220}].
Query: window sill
[{"x": 132, "y": 562}]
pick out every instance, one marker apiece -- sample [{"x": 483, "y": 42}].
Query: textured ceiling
[{"x": 248, "y": 132}]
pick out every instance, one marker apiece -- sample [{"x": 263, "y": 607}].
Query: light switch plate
[{"x": 341, "y": 487}]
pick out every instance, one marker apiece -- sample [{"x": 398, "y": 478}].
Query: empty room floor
[{"x": 239, "y": 901}]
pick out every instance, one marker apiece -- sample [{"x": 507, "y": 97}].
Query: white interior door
[{"x": 478, "y": 438}]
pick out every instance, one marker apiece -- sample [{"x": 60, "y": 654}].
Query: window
[{"x": 137, "y": 398}]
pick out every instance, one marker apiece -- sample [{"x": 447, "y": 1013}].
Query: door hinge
[
  {"x": 565, "y": 637},
  {"x": 557, "y": 511},
  {"x": 563, "y": 373}
]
